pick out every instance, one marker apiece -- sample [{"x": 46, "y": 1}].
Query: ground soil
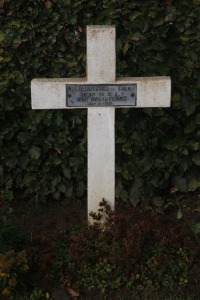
[{"x": 55, "y": 217}]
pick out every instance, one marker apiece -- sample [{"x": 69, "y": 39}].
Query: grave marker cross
[{"x": 101, "y": 92}]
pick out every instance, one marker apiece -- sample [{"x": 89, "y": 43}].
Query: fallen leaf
[
  {"x": 73, "y": 293},
  {"x": 65, "y": 282},
  {"x": 168, "y": 2},
  {"x": 48, "y": 4},
  {"x": 2, "y": 3},
  {"x": 57, "y": 150}
]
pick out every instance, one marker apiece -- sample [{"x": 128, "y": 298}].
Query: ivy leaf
[
  {"x": 180, "y": 183},
  {"x": 179, "y": 214},
  {"x": 56, "y": 195},
  {"x": 35, "y": 152},
  {"x": 197, "y": 119},
  {"x": 193, "y": 184},
  {"x": 19, "y": 77},
  {"x": 190, "y": 128},
  {"x": 69, "y": 191},
  {"x": 67, "y": 173},
  {"x": 195, "y": 146},
  {"x": 158, "y": 201},
  {"x": 196, "y": 159},
  {"x": 80, "y": 189},
  {"x": 125, "y": 48},
  {"x": 156, "y": 179},
  {"x": 135, "y": 191},
  {"x": 196, "y": 228},
  {"x": 9, "y": 195},
  {"x": 1, "y": 36},
  {"x": 147, "y": 163},
  {"x": 176, "y": 97},
  {"x": 171, "y": 145},
  {"x": 190, "y": 108},
  {"x": 23, "y": 137},
  {"x": 62, "y": 188},
  {"x": 124, "y": 195},
  {"x": 135, "y": 15}
]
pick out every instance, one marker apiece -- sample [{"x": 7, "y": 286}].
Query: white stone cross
[{"x": 101, "y": 92}]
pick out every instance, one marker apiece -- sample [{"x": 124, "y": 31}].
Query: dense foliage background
[{"x": 44, "y": 152}]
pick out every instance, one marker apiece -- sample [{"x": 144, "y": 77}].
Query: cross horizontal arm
[{"x": 51, "y": 93}]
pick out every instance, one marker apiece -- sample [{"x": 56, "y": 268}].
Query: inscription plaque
[{"x": 101, "y": 95}]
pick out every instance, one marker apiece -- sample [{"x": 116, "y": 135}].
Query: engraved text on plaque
[{"x": 101, "y": 95}]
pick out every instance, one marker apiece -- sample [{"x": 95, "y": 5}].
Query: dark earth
[{"x": 54, "y": 217}]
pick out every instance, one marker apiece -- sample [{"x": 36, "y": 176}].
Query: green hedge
[{"x": 44, "y": 152}]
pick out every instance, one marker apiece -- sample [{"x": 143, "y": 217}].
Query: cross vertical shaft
[{"x": 101, "y": 64}]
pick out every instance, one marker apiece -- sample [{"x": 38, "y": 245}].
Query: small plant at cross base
[{"x": 136, "y": 252}]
